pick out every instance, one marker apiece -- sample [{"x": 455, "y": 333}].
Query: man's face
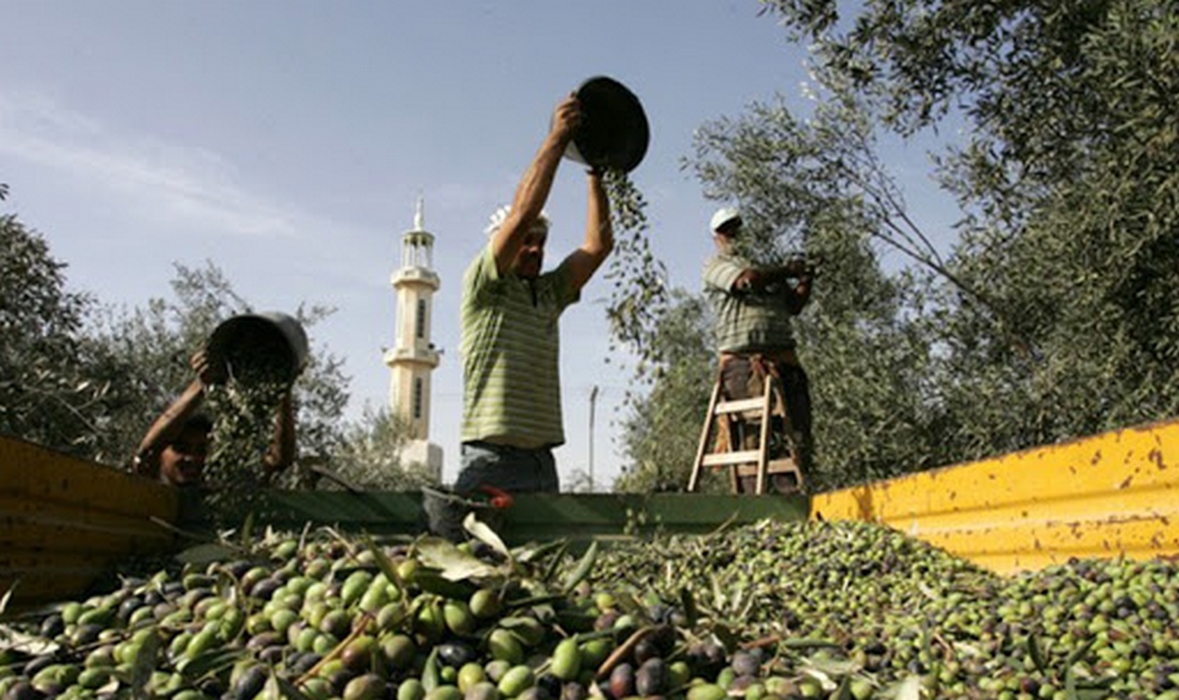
[
  {"x": 183, "y": 460},
  {"x": 727, "y": 235},
  {"x": 530, "y": 257}
]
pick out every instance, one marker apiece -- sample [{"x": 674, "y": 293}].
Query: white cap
[
  {"x": 500, "y": 215},
  {"x": 723, "y": 216}
]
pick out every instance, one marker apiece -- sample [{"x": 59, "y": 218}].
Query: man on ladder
[{"x": 753, "y": 307}]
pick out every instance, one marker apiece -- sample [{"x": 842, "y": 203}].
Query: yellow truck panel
[
  {"x": 64, "y": 521},
  {"x": 1113, "y": 494}
]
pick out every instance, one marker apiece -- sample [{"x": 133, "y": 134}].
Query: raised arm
[
  {"x": 534, "y": 187},
  {"x": 759, "y": 280},
  {"x": 168, "y": 425},
  {"x": 599, "y": 234},
  {"x": 281, "y": 453}
]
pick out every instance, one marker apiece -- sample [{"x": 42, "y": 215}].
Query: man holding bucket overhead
[
  {"x": 262, "y": 353},
  {"x": 510, "y": 335}
]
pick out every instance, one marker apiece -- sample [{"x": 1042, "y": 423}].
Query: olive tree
[
  {"x": 661, "y": 422},
  {"x": 57, "y": 387},
  {"x": 1050, "y": 312},
  {"x": 1066, "y": 179}
]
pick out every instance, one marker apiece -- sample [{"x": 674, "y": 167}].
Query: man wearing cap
[
  {"x": 753, "y": 307},
  {"x": 510, "y": 335}
]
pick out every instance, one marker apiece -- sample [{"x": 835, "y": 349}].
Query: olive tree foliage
[
  {"x": 1069, "y": 189},
  {"x": 1054, "y": 316},
  {"x": 370, "y": 456},
  {"x": 662, "y": 421},
  {"x": 56, "y": 386},
  {"x": 157, "y": 341},
  {"x": 1052, "y": 313}
]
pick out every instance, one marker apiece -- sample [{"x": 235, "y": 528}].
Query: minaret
[{"x": 413, "y": 356}]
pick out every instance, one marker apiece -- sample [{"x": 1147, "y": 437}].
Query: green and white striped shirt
[
  {"x": 510, "y": 351},
  {"x": 747, "y": 322}
]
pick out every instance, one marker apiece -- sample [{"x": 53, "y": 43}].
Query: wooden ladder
[{"x": 742, "y": 462}]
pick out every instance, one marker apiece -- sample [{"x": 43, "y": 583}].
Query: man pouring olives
[
  {"x": 261, "y": 367},
  {"x": 510, "y": 333}
]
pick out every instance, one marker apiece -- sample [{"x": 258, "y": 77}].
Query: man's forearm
[
  {"x": 800, "y": 294},
  {"x": 537, "y": 182},
  {"x": 168, "y": 424},
  {"x": 599, "y": 233},
  {"x": 282, "y": 451}
]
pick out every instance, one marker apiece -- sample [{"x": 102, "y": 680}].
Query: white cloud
[{"x": 155, "y": 179}]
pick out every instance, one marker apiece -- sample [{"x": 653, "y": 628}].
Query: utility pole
[{"x": 593, "y": 398}]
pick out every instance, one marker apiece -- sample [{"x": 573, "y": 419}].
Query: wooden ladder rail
[{"x": 735, "y": 460}]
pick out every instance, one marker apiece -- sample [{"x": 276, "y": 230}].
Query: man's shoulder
[
  {"x": 725, "y": 259},
  {"x": 721, "y": 269},
  {"x": 481, "y": 267}
]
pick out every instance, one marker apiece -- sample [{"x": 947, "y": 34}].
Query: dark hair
[{"x": 199, "y": 420}]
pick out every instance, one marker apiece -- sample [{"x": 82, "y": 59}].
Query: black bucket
[
  {"x": 614, "y": 132},
  {"x": 258, "y": 347}
]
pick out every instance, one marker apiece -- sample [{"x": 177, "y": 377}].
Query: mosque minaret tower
[{"x": 412, "y": 359}]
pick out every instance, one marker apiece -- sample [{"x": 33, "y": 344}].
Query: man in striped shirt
[
  {"x": 754, "y": 306},
  {"x": 510, "y": 334}
]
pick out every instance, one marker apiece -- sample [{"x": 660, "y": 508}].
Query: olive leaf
[
  {"x": 909, "y": 688},
  {"x": 584, "y": 567},
  {"x": 7, "y": 596},
  {"x": 482, "y": 532},
  {"x": 247, "y": 535},
  {"x": 384, "y": 563},
  {"x": 688, "y": 603},
  {"x": 208, "y": 553},
  {"x": 843, "y": 692},
  {"x": 453, "y": 563},
  {"x": 279, "y": 687},
  {"x": 1036, "y": 654},
  {"x": 430, "y": 673},
  {"x": 821, "y": 666},
  {"x": 208, "y": 662},
  {"x": 535, "y": 551},
  {"x": 822, "y": 675},
  {"x": 27, "y": 643},
  {"x": 555, "y": 562}
]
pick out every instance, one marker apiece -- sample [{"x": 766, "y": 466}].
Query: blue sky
[{"x": 288, "y": 141}]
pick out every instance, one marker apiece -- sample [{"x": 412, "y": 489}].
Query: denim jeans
[{"x": 512, "y": 469}]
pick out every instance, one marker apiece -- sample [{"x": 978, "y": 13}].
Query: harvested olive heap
[{"x": 768, "y": 611}]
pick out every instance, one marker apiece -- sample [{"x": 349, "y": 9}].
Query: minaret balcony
[
  {"x": 416, "y": 275},
  {"x": 418, "y": 356}
]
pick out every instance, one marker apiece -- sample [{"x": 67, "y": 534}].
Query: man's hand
[
  {"x": 798, "y": 267},
  {"x": 209, "y": 368},
  {"x": 566, "y": 118}
]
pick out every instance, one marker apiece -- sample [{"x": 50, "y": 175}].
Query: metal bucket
[
  {"x": 269, "y": 346},
  {"x": 445, "y": 511},
  {"x": 614, "y": 132}
]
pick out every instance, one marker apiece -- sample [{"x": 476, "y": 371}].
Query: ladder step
[
  {"x": 778, "y": 466},
  {"x": 721, "y": 459},
  {"x": 739, "y": 406},
  {"x": 724, "y": 459}
]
